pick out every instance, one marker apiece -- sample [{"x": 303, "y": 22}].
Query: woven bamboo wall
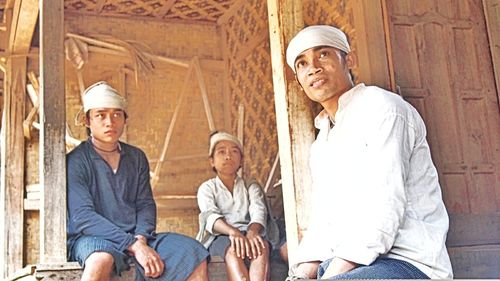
[{"x": 250, "y": 82}]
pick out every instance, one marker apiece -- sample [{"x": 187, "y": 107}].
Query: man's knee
[{"x": 100, "y": 261}]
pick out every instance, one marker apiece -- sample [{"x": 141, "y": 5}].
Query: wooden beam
[
  {"x": 12, "y": 176},
  {"x": 293, "y": 117},
  {"x": 52, "y": 144},
  {"x": 23, "y": 24}
]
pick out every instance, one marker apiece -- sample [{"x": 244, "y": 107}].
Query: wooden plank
[
  {"x": 492, "y": 15},
  {"x": 473, "y": 229},
  {"x": 371, "y": 45},
  {"x": 52, "y": 132},
  {"x": 293, "y": 116},
  {"x": 12, "y": 175},
  {"x": 23, "y": 24},
  {"x": 478, "y": 262}
]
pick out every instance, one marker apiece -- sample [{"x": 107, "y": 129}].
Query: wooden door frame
[{"x": 492, "y": 16}]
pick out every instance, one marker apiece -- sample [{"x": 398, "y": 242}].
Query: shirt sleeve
[
  {"x": 257, "y": 208},
  {"x": 145, "y": 204},
  {"x": 207, "y": 203},
  {"x": 383, "y": 167},
  {"x": 81, "y": 209}
]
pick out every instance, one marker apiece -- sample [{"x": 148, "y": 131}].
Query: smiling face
[
  {"x": 323, "y": 73},
  {"x": 106, "y": 124},
  {"x": 226, "y": 158}
]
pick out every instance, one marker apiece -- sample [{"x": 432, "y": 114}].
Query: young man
[
  {"x": 233, "y": 213},
  {"x": 111, "y": 210},
  {"x": 377, "y": 206}
]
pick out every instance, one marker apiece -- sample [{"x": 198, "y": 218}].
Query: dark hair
[{"x": 87, "y": 118}]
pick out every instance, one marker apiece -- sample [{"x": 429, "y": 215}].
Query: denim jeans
[{"x": 381, "y": 268}]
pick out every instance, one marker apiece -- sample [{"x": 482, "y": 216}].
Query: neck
[
  {"x": 104, "y": 147},
  {"x": 332, "y": 105},
  {"x": 228, "y": 180}
]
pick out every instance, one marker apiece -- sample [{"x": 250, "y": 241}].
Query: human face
[
  {"x": 106, "y": 124},
  {"x": 324, "y": 74},
  {"x": 226, "y": 158}
]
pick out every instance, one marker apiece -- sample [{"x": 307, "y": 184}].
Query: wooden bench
[{"x": 72, "y": 271}]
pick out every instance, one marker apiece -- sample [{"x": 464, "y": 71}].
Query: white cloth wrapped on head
[
  {"x": 221, "y": 136},
  {"x": 314, "y": 36},
  {"x": 102, "y": 95}
]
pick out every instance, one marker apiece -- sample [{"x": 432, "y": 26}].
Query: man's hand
[
  {"x": 239, "y": 243},
  {"x": 338, "y": 266},
  {"x": 256, "y": 244},
  {"x": 148, "y": 258}
]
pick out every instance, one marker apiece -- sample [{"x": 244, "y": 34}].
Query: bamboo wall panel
[{"x": 250, "y": 82}]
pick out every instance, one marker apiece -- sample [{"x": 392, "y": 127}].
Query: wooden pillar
[
  {"x": 13, "y": 165},
  {"x": 52, "y": 144},
  {"x": 20, "y": 18},
  {"x": 294, "y": 119}
]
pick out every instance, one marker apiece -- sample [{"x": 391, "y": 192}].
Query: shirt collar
[{"x": 322, "y": 120}]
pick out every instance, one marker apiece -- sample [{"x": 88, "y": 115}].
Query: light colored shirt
[
  {"x": 375, "y": 189},
  {"x": 239, "y": 209}
]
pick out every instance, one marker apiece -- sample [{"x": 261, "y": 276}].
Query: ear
[
  {"x": 211, "y": 160},
  {"x": 297, "y": 79},
  {"x": 86, "y": 122},
  {"x": 351, "y": 60}
]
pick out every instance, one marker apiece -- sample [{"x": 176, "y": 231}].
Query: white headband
[
  {"x": 314, "y": 36},
  {"x": 102, "y": 95},
  {"x": 221, "y": 136}
]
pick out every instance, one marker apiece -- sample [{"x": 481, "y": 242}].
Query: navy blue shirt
[{"x": 101, "y": 203}]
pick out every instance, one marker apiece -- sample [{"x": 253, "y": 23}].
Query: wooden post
[
  {"x": 13, "y": 166},
  {"x": 294, "y": 119},
  {"x": 21, "y": 18},
  {"x": 52, "y": 132}
]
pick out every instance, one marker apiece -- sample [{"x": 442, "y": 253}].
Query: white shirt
[
  {"x": 239, "y": 209},
  {"x": 375, "y": 188}
]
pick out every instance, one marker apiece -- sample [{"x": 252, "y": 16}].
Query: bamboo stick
[
  {"x": 272, "y": 172},
  {"x": 123, "y": 50},
  {"x": 203, "y": 90},
  {"x": 156, "y": 173},
  {"x": 240, "y": 130}
]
